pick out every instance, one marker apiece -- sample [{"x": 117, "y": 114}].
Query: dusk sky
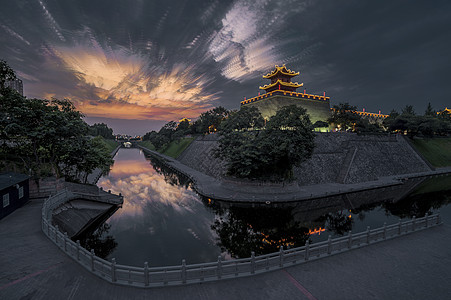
[{"x": 136, "y": 64}]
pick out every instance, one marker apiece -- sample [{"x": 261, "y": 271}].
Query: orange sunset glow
[{"x": 122, "y": 85}]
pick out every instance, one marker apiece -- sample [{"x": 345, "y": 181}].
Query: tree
[
  {"x": 430, "y": 111},
  {"x": 269, "y": 153},
  {"x": 320, "y": 124},
  {"x": 101, "y": 129},
  {"x": 41, "y": 134},
  {"x": 364, "y": 126},
  {"x": 388, "y": 122},
  {"x": 209, "y": 121},
  {"x": 6, "y": 73},
  {"x": 408, "y": 110},
  {"x": 245, "y": 119},
  {"x": 183, "y": 125},
  {"x": 343, "y": 116},
  {"x": 289, "y": 139}
]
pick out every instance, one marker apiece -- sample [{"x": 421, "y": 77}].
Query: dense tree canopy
[
  {"x": 344, "y": 116},
  {"x": 269, "y": 153},
  {"x": 48, "y": 137},
  {"x": 209, "y": 121},
  {"x": 6, "y": 74},
  {"x": 428, "y": 125},
  {"x": 245, "y": 119},
  {"x": 101, "y": 129}
]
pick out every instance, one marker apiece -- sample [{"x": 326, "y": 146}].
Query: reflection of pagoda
[
  {"x": 281, "y": 80},
  {"x": 282, "y": 92}
]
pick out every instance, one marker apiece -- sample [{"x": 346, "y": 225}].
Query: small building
[
  {"x": 282, "y": 92},
  {"x": 14, "y": 192}
]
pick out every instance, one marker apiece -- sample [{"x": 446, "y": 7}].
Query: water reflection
[
  {"x": 163, "y": 220},
  {"x": 261, "y": 229},
  {"x": 100, "y": 240}
]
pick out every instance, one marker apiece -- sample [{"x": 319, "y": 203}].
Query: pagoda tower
[
  {"x": 281, "y": 80},
  {"x": 282, "y": 92}
]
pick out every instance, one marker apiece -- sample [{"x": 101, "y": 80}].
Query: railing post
[
  {"x": 56, "y": 234},
  {"x": 219, "y": 269},
  {"x": 307, "y": 249},
  {"x": 65, "y": 242},
  {"x": 438, "y": 218},
  {"x": 183, "y": 271},
  {"x": 385, "y": 230},
  {"x": 78, "y": 249},
  {"x": 368, "y": 234},
  {"x": 329, "y": 245},
  {"x": 146, "y": 273},
  {"x": 281, "y": 257},
  {"x": 113, "y": 270},
  {"x": 92, "y": 260},
  {"x": 252, "y": 262},
  {"x": 413, "y": 223},
  {"x": 349, "y": 239},
  {"x": 399, "y": 227}
]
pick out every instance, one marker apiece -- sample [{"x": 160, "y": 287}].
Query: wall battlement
[{"x": 284, "y": 93}]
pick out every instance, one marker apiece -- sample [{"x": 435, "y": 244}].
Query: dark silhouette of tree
[
  {"x": 430, "y": 111},
  {"x": 41, "y": 134},
  {"x": 101, "y": 129},
  {"x": 270, "y": 153},
  {"x": 102, "y": 243},
  {"x": 263, "y": 231},
  {"x": 6, "y": 74},
  {"x": 343, "y": 116}
]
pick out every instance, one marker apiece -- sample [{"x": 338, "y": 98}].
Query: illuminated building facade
[
  {"x": 282, "y": 92},
  {"x": 16, "y": 85}
]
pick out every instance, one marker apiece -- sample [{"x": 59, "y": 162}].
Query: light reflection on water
[
  {"x": 159, "y": 222},
  {"x": 163, "y": 220}
]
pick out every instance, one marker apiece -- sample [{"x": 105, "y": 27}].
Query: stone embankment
[
  {"x": 344, "y": 158},
  {"x": 87, "y": 206},
  {"x": 233, "y": 190},
  {"x": 342, "y": 163}
]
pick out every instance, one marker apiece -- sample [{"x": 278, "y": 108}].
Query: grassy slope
[
  {"x": 174, "y": 149},
  {"x": 433, "y": 185},
  {"x": 112, "y": 144},
  {"x": 436, "y": 151},
  {"x": 147, "y": 144}
]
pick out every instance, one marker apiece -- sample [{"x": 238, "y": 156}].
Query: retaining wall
[{"x": 338, "y": 157}]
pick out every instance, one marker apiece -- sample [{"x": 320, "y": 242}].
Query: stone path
[
  {"x": 416, "y": 266},
  {"x": 240, "y": 192}
]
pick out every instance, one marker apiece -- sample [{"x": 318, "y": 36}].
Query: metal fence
[{"x": 195, "y": 273}]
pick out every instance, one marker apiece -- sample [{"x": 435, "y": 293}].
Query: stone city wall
[{"x": 338, "y": 157}]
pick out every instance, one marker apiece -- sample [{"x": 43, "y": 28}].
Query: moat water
[{"x": 163, "y": 220}]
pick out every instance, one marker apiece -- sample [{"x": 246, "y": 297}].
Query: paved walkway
[
  {"x": 237, "y": 192},
  {"x": 416, "y": 266}
]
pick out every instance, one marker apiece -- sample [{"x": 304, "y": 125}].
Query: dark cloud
[{"x": 374, "y": 54}]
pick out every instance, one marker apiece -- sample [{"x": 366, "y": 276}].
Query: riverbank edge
[{"x": 229, "y": 191}]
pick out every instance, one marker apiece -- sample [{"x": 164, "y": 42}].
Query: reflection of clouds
[
  {"x": 152, "y": 206},
  {"x": 148, "y": 188}
]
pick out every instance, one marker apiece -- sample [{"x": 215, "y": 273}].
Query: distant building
[
  {"x": 14, "y": 192},
  {"x": 282, "y": 92},
  {"x": 16, "y": 85}
]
